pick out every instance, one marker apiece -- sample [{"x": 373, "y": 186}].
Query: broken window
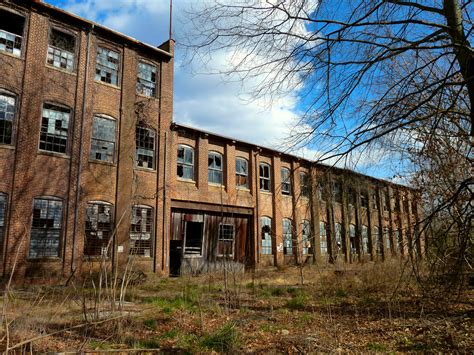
[
  {"x": 378, "y": 241},
  {"x": 265, "y": 177},
  {"x": 306, "y": 237},
  {"x": 321, "y": 192},
  {"x": 185, "y": 162},
  {"x": 386, "y": 236},
  {"x": 338, "y": 234},
  {"x": 11, "y": 32},
  {"x": 386, "y": 201},
  {"x": 141, "y": 231},
  {"x": 103, "y": 139},
  {"x": 146, "y": 79},
  {"x": 193, "y": 239},
  {"x": 145, "y": 149},
  {"x": 61, "y": 50},
  {"x": 397, "y": 205},
  {"x": 337, "y": 192},
  {"x": 7, "y": 116},
  {"x": 241, "y": 172},
  {"x": 399, "y": 240},
  {"x": 285, "y": 181},
  {"x": 225, "y": 245},
  {"x": 374, "y": 201},
  {"x": 54, "y": 129},
  {"x": 323, "y": 238},
  {"x": 364, "y": 199},
  {"x": 3, "y": 215},
  {"x": 107, "y": 66},
  {"x": 266, "y": 225},
  {"x": 365, "y": 239},
  {"x": 304, "y": 184},
  {"x": 214, "y": 168},
  {"x": 287, "y": 237},
  {"x": 352, "y": 238},
  {"x": 99, "y": 225},
  {"x": 352, "y": 197},
  {"x": 46, "y": 227}
]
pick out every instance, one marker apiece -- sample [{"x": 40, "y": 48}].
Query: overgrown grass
[
  {"x": 225, "y": 339},
  {"x": 168, "y": 306}
]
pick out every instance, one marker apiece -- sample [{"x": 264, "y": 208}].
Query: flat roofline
[
  {"x": 91, "y": 24},
  {"x": 175, "y": 125}
]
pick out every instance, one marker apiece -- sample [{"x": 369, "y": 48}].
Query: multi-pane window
[
  {"x": 46, "y": 227},
  {"x": 3, "y": 215},
  {"x": 7, "y": 116},
  {"x": 285, "y": 181},
  {"x": 365, "y": 239},
  {"x": 287, "y": 237},
  {"x": 304, "y": 184},
  {"x": 145, "y": 147},
  {"x": 241, "y": 172},
  {"x": 146, "y": 79},
  {"x": 141, "y": 227},
  {"x": 103, "y": 139},
  {"x": 306, "y": 237},
  {"x": 185, "y": 166},
  {"x": 214, "y": 168},
  {"x": 99, "y": 227},
  {"x": 265, "y": 177},
  {"x": 266, "y": 225},
  {"x": 61, "y": 50},
  {"x": 352, "y": 238},
  {"x": 386, "y": 236},
  {"x": 11, "y": 32},
  {"x": 225, "y": 245},
  {"x": 323, "y": 238},
  {"x": 338, "y": 235},
  {"x": 54, "y": 129},
  {"x": 107, "y": 66},
  {"x": 337, "y": 192},
  {"x": 364, "y": 199},
  {"x": 378, "y": 240}
]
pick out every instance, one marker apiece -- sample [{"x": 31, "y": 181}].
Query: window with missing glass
[
  {"x": 145, "y": 147},
  {"x": 285, "y": 181},
  {"x": 107, "y": 66},
  {"x": 352, "y": 238},
  {"x": 304, "y": 184},
  {"x": 323, "y": 238},
  {"x": 241, "y": 173},
  {"x": 141, "y": 227},
  {"x": 386, "y": 237},
  {"x": 378, "y": 241},
  {"x": 287, "y": 237},
  {"x": 99, "y": 228},
  {"x": 266, "y": 226},
  {"x": 338, "y": 234},
  {"x": 61, "y": 50},
  {"x": 365, "y": 239},
  {"x": 103, "y": 139},
  {"x": 46, "y": 229},
  {"x": 214, "y": 168},
  {"x": 185, "y": 162},
  {"x": 3, "y": 218},
  {"x": 265, "y": 177},
  {"x": 306, "y": 237},
  {"x": 337, "y": 192},
  {"x": 226, "y": 236},
  {"x": 54, "y": 129},
  {"x": 11, "y": 32},
  {"x": 7, "y": 118},
  {"x": 146, "y": 79}
]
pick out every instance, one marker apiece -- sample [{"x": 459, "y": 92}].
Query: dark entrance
[{"x": 193, "y": 238}]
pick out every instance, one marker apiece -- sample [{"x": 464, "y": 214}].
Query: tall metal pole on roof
[{"x": 171, "y": 19}]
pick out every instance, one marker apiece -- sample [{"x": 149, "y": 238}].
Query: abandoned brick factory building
[{"x": 92, "y": 167}]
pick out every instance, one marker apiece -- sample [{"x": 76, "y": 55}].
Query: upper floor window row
[{"x": 11, "y": 32}]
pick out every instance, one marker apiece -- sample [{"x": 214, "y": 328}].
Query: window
[
  {"x": 61, "y": 50},
  {"x": 7, "y": 115},
  {"x": 99, "y": 225},
  {"x": 399, "y": 240},
  {"x": 285, "y": 181},
  {"x": 306, "y": 237},
  {"x": 103, "y": 139},
  {"x": 185, "y": 162},
  {"x": 304, "y": 184},
  {"x": 352, "y": 238},
  {"x": 321, "y": 192},
  {"x": 386, "y": 201},
  {"x": 225, "y": 245},
  {"x": 11, "y": 32},
  {"x": 193, "y": 237},
  {"x": 265, "y": 177},
  {"x": 141, "y": 231},
  {"x": 397, "y": 205},
  {"x": 54, "y": 129},
  {"x": 365, "y": 239},
  {"x": 378, "y": 241},
  {"x": 323, "y": 238},
  {"x": 241, "y": 172},
  {"x": 352, "y": 197},
  {"x": 214, "y": 168},
  {"x": 364, "y": 199},
  {"x": 266, "y": 225},
  {"x": 146, "y": 79},
  {"x": 337, "y": 192},
  {"x": 46, "y": 228},
  {"x": 374, "y": 201},
  {"x": 386, "y": 236},
  {"x": 107, "y": 66},
  {"x": 145, "y": 147},
  {"x": 3, "y": 215},
  {"x": 338, "y": 232},
  {"x": 287, "y": 237}
]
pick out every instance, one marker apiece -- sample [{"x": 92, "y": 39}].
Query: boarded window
[
  {"x": 103, "y": 139},
  {"x": 241, "y": 172},
  {"x": 107, "y": 66},
  {"x": 306, "y": 237},
  {"x": 323, "y": 238},
  {"x": 54, "y": 129},
  {"x": 365, "y": 239},
  {"x": 214, "y": 168},
  {"x": 99, "y": 224},
  {"x": 46, "y": 227},
  {"x": 3, "y": 218},
  {"x": 266, "y": 225},
  {"x": 265, "y": 177},
  {"x": 352, "y": 238},
  {"x": 145, "y": 149},
  {"x": 11, "y": 32},
  {"x": 146, "y": 79},
  {"x": 225, "y": 245},
  {"x": 304, "y": 184},
  {"x": 185, "y": 162},
  {"x": 287, "y": 237},
  {"x": 285, "y": 181},
  {"x": 141, "y": 231},
  {"x": 61, "y": 50},
  {"x": 7, "y": 116}
]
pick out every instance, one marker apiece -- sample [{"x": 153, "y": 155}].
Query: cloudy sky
[{"x": 202, "y": 100}]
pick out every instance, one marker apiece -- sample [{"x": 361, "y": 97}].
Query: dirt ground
[{"x": 368, "y": 308}]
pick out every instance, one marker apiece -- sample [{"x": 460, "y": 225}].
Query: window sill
[
  {"x": 13, "y": 56},
  {"x": 213, "y": 184},
  {"x": 146, "y": 170},
  {"x": 286, "y": 195},
  {"x": 147, "y": 97},
  {"x": 192, "y": 256},
  {"x": 65, "y": 71},
  {"x": 7, "y": 146},
  {"x": 112, "y": 86},
  {"x": 266, "y": 192},
  {"x": 242, "y": 188},
  {"x": 54, "y": 154},
  {"x": 44, "y": 259},
  {"x": 96, "y": 258},
  {"x": 100, "y": 162},
  {"x": 186, "y": 181}
]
